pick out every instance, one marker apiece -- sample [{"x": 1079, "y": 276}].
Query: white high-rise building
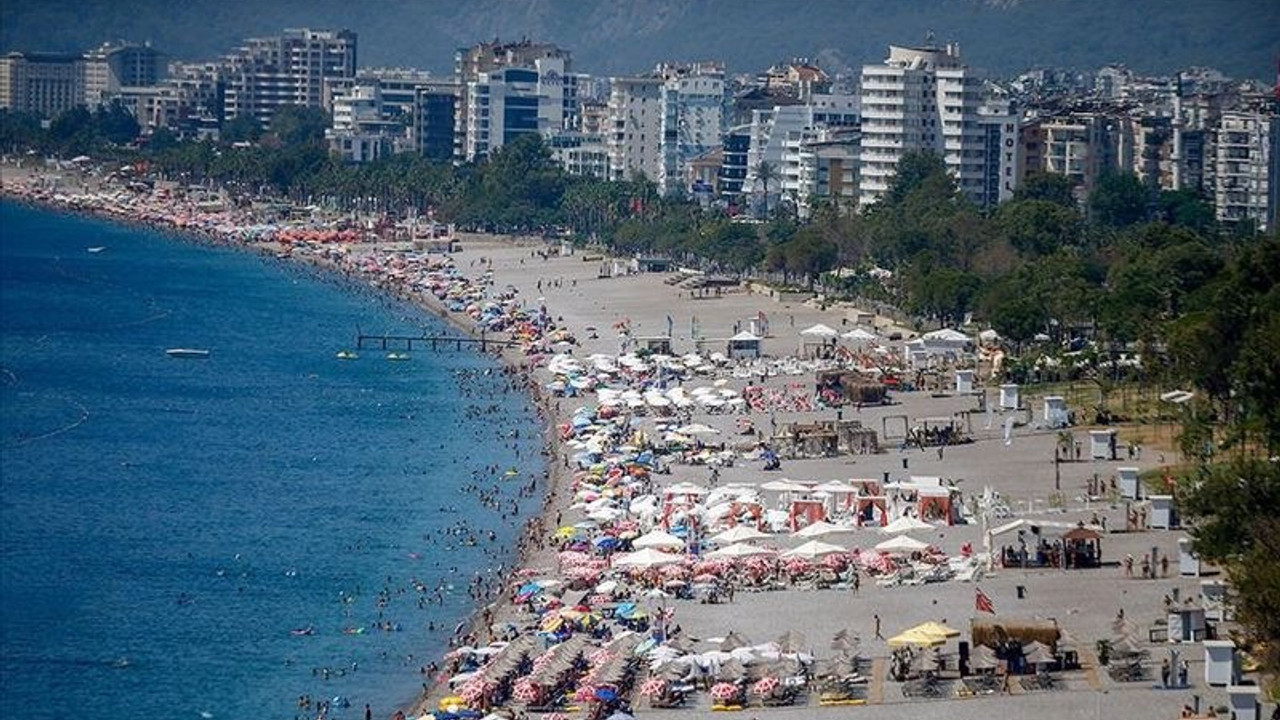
[
  {"x": 784, "y": 137},
  {"x": 288, "y": 69},
  {"x": 635, "y": 127},
  {"x": 692, "y": 120},
  {"x": 924, "y": 99},
  {"x": 1246, "y": 184},
  {"x": 511, "y": 101}
]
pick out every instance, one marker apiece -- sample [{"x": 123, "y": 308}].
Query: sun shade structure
[
  {"x": 813, "y": 550},
  {"x": 901, "y": 544}
]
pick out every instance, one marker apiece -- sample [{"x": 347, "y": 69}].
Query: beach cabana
[
  {"x": 813, "y": 550},
  {"x": 819, "y": 331},
  {"x": 744, "y": 345},
  {"x": 872, "y": 510}
]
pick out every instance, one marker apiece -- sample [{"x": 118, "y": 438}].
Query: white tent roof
[
  {"x": 905, "y": 524},
  {"x": 647, "y": 558},
  {"x": 744, "y": 336},
  {"x": 901, "y": 543},
  {"x": 684, "y": 488},
  {"x": 739, "y": 533},
  {"x": 785, "y": 485},
  {"x": 835, "y": 486},
  {"x": 658, "y": 539},
  {"x": 813, "y": 550},
  {"x": 821, "y": 529},
  {"x": 820, "y": 330}
]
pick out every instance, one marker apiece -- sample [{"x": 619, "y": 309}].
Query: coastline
[{"x": 509, "y": 358}]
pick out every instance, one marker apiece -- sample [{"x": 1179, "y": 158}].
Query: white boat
[
  {"x": 97, "y": 249},
  {"x": 397, "y": 356},
  {"x": 348, "y": 355},
  {"x": 186, "y": 353}
]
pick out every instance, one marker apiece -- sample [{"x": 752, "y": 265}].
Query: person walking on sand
[{"x": 876, "y": 617}]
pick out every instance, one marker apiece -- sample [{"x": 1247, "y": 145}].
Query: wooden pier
[{"x": 434, "y": 342}]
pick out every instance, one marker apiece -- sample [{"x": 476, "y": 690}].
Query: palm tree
[{"x": 766, "y": 173}]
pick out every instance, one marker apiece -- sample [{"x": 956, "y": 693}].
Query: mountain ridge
[{"x": 630, "y": 36}]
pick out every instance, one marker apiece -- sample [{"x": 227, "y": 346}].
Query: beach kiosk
[
  {"x": 1213, "y": 597},
  {"x": 1220, "y": 664},
  {"x": 1009, "y": 397},
  {"x": 1188, "y": 563},
  {"x": 1127, "y": 481},
  {"x": 1243, "y": 701},
  {"x": 964, "y": 382},
  {"x": 1186, "y": 625},
  {"x": 1102, "y": 444},
  {"x": 1164, "y": 513},
  {"x": 744, "y": 345},
  {"x": 1055, "y": 411},
  {"x": 656, "y": 344}
]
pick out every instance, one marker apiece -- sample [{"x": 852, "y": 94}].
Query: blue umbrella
[{"x": 606, "y": 694}]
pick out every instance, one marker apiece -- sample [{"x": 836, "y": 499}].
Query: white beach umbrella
[
  {"x": 813, "y": 550},
  {"x": 738, "y": 550},
  {"x": 859, "y": 335},
  {"x": 785, "y": 485},
  {"x": 738, "y": 534},
  {"x": 822, "y": 528},
  {"x": 905, "y": 524},
  {"x": 684, "y": 488},
  {"x": 836, "y": 487},
  {"x": 658, "y": 539},
  {"x": 647, "y": 558},
  {"x": 819, "y": 330},
  {"x": 901, "y": 544},
  {"x": 697, "y": 429}
]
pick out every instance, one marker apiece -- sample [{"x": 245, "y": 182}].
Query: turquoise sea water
[{"x": 165, "y": 523}]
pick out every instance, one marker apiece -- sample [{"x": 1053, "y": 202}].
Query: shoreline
[{"x": 509, "y": 359}]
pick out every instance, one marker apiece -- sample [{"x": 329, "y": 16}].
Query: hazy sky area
[{"x": 1239, "y": 37}]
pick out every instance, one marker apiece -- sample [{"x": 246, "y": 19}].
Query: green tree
[
  {"x": 241, "y": 128},
  {"x": 766, "y": 173},
  {"x": 1038, "y": 227},
  {"x": 295, "y": 125},
  {"x": 1119, "y": 200},
  {"x": 1048, "y": 187}
]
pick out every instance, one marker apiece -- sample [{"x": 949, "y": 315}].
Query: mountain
[{"x": 626, "y": 36}]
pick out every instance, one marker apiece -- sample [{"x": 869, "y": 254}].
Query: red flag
[{"x": 982, "y": 602}]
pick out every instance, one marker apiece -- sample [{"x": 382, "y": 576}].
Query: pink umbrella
[
  {"x": 724, "y": 691},
  {"x": 585, "y": 693},
  {"x": 525, "y": 690},
  {"x": 765, "y": 685},
  {"x": 653, "y": 686}
]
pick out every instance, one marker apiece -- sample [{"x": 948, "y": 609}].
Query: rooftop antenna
[{"x": 929, "y": 38}]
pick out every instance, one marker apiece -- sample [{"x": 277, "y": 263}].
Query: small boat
[
  {"x": 308, "y": 630},
  {"x": 353, "y": 631},
  {"x": 187, "y": 353},
  {"x": 397, "y": 356},
  {"x": 97, "y": 249},
  {"x": 348, "y": 355}
]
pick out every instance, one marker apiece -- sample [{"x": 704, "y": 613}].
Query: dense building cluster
[{"x": 789, "y": 136}]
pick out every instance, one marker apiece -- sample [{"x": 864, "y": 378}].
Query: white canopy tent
[
  {"x": 658, "y": 539},
  {"x": 813, "y": 550},
  {"x": 901, "y": 544}
]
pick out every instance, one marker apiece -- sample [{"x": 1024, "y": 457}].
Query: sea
[{"x": 228, "y": 537}]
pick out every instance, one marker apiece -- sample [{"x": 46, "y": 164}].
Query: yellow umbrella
[
  {"x": 936, "y": 628},
  {"x": 911, "y": 637},
  {"x": 453, "y": 701},
  {"x": 567, "y": 531}
]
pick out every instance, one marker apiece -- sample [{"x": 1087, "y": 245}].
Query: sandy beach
[{"x": 584, "y": 297}]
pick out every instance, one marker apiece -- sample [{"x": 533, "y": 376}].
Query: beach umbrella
[
  {"x": 901, "y": 544},
  {"x": 739, "y": 534},
  {"x": 812, "y": 550},
  {"x": 658, "y": 539},
  {"x": 733, "y": 641},
  {"x": 836, "y": 487},
  {"x": 766, "y": 685},
  {"x": 526, "y": 690},
  {"x": 653, "y": 686},
  {"x": 791, "y": 642},
  {"x": 819, "y": 330},
  {"x": 1037, "y": 653},
  {"x": 646, "y": 558},
  {"x": 859, "y": 335},
  {"x": 983, "y": 658},
  {"x": 916, "y": 638},
  {"x": 936, "y": 628},
  {"x": 822, "y": 528},
  {"x": 684, "y": 488},
  {"x": 785, "y": 485},
  {"x": 724, "y": 691},
  {"x": 905, "y": 524},
  {"x": 697, "y": 429},
  {"x": 738, "y": 550}
]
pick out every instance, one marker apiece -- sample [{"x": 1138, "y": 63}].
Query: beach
[{"x": 545, "y": 295}]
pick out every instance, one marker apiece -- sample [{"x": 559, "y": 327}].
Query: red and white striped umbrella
[
  {"x": 653, "y": 686},
  {"x": 585, "y": 693},
  {"x": 765, "y": 685},
  {"x": 471, "y": 692},
  {"x": 555, "y": 716},
  {"x": 724, "y": 691},
  {"x": 601, "y": 656}
]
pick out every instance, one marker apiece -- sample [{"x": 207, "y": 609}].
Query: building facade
[
  {"x": 46, "y": 84},
  {"x": 635, "y": 112},
  {"x": 1247, "y": 168},
  {"x": 288, "y": 69}
]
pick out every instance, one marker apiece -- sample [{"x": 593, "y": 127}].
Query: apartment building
[
  {"x": 1247, "y": 168},
  {"x": 692, "y": 120},
  {"x": 925, "y": 99},
  {"x": 635, "y": 126},
  {"x": 111, "y": 67},
  {"x": 292, "y": 68}
]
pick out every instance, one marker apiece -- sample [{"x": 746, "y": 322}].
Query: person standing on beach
[{"x": 876, "y": 617}]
